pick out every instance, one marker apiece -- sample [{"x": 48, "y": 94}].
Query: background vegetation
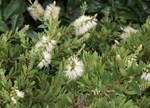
[{"x": 107, "y": 81}]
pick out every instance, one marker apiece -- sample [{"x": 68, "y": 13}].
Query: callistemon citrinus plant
[{"x": 89, "y": 63}]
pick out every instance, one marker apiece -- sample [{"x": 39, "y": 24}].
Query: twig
[{"x": 12, "y": 75}]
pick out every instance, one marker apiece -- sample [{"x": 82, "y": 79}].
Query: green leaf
[
  {"x": 123, "y": 72},
  {"x": 32, "y": 34},
  {"x": 69, "y": 99},
  {"x": 129, "y": 16},
  {"x": 32, "y": 73},
  {"x": 8, "y": 106},
  {"x": 135, "y": 87},
  {"x": 47, "y": 106},
  {"x": 13, "y": 8},
  {"x": 75, "y": 4},
  {"x": 0, "y": 13},
  {"x": 129, "y": 92},
  {"x": 16, "y": 21},
  {"x": 144, "y": 5},
  {"x": 3, "y": 26},
  {"x": 102, "y": 102},
  {"x": 93, "y": 6}
]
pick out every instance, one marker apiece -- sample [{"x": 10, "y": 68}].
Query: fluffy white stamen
[
  {"x": 36, "y": 10},
  {"x": 52, "y": 10},
  {"x": 127, "y": 32},
  {"x": 84, "y": 23},
  {"x": 74, "y": 68}
]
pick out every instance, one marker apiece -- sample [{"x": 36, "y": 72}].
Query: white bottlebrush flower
[
  {"x": 46, "y": 46},
  {"x": 145, "y": 76},
  {"x": 46, "y": 59},
  {"x": 127, "y": 32},
  {"x": 19, "y": 93},
  {"x": 14, "y": 101},
  {"x": 74, "y": 68},
  {"x": 44, "y": 39},
  {"x": 38, "y": 45},
  {"x": 47, "y": 56},
  {"x": 36, "y": 10},
  {"x": 46, "y": 43},
  {"x": 42, "y": 64},
  {"x": 16, "y": 93},
  {"x": 41, "y": 43},
  {"x": 50, "y": 45},
  {"x": 53, "y": 42},
  {"x": 146, "y": 73},
  {"x": 84, "y": 23},
  {"x": 52, "y": 10}
]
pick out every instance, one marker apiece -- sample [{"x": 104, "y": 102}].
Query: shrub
[{"x": 75, "y": 65}]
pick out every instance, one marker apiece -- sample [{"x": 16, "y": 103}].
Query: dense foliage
[{"x": 93, "y": 53}]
